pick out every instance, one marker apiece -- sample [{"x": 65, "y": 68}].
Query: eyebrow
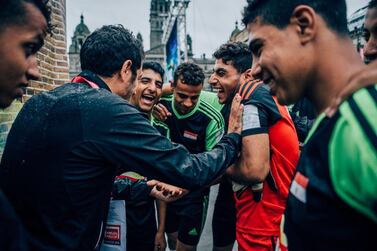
[
  {"x": 145, "y": 78},
  {"x": 184, "y": 94}
]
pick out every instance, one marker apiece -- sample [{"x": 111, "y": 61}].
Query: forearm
[
  {"x": 161, "y": 209},
  {"x": 235, "y": 173},
  {"x": 126, "y": 189}
]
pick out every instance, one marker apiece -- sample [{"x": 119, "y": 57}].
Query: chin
[
  {"x": 146, "y": 109},
  {"x": 222, "y": 101},
  {"x": 282, "y": 99}
]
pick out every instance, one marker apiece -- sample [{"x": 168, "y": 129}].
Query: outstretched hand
[{"x": 166, "y": 192}]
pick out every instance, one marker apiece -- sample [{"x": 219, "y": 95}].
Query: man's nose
[
  {"x": 32, "y": 72},
  {"x": 188, "y": 103}
]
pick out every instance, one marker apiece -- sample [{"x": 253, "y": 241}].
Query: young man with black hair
[
  {"x": 132, "y": 187},
  {"x": 198, "y": 126},
  {"x": 66, "y": 145},
  {"x": 225, "y": 80},
  {"x": 302, "y": 48},
  {"x": 23, "y": 27},
  {"x": 263, "y": 172}
]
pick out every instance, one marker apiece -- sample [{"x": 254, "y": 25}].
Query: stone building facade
[
  {"x": 79, "y": 36},
  {"x": 53, "y": 66}
]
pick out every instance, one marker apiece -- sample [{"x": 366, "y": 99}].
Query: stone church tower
[
  {"x": 158, "y": 12},
  {"x": 79, "y": 36}
]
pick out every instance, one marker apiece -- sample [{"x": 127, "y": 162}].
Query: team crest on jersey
[
  {"x": 298, "y": 187},
  {"x": 190, "y": 135}
]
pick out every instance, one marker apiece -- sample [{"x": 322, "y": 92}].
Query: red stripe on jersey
[{"x": 301, "y": 180}]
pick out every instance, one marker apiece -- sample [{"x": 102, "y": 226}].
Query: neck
[
  {"x": 339, "y": 61},
  {"x": 110, "y": 82}
]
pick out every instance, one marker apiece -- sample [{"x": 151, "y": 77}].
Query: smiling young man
[
  {"x": 232, "y": 67},
  {"x": 198, "y": 126},
  {"x": 148, "y": 90},
  {"x": 23, "y": 27},
  {"x": 302, "y": 48},
  {"x": 269, "y": 150},
  {"x": 140, "y": 206}
]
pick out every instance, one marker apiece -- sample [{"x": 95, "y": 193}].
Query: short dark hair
[
  {"x": 154, "y": 66},
  {"x": 107, "y": 48},
  {"x": 13, "y": 12},
  {"x": 236, "y": 53},
  {"x": 278, "y": 12},
  {"x": 189, "y": 73},
  {"x": 372, "y": 4}
]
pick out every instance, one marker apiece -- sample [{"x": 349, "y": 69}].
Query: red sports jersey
[{"x": 262, "y": 114}]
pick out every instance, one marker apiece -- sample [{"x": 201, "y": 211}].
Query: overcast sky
[{"x": 209, "y": 22}]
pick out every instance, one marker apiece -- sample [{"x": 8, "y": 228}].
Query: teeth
[{"x": 148, "y": 97}]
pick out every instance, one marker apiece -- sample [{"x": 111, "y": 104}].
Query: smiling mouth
[
  {"x": 218, "y": 90},
  {"x": 148, "y": 98}
]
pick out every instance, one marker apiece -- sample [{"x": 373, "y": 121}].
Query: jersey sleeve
[
  {"x": 214, "y": 132},
  {"x": 353, "y": 154},
  {"x": 260, "y": 112}
]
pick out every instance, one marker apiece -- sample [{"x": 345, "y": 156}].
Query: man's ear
[
  {"x": 247, "y": 75},
  {"x": 305, "y": 22},
  {"x": 125, "y": 71}
]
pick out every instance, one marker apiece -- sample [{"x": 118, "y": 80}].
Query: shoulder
[
  {"x": 98, "y": 102},
  {"x": 359, "y": 114},
  {"x": 211, "y": 98},
  {"x": 167, "y": 101},
  {"x": 211, "y": 112},
  {"x": 261, "y": 100},
  {"x": 353, "y": 151},
  {"x": 260, "y": 96}
]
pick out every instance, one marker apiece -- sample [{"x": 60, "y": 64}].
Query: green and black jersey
[
  {"x": 198, "y": 131},
  {"x": 332, "y": 203},
  {"x": 212, "y": 99},
  {"x": 161, "y": 127}
]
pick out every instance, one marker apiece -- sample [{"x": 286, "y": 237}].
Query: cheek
[{"x": 158, "y": 93}]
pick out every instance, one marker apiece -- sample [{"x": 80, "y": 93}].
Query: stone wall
[{"x": 53, "y": 66}]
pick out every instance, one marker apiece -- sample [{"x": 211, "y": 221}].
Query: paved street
[{"x": 205, "y": 243}]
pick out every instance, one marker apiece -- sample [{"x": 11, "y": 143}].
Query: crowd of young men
[{"x": 267, "y": 197}]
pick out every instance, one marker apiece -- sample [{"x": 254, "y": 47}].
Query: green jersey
[{"x": 332, "y": 203}]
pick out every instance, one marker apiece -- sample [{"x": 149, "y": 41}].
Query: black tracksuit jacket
[{"x": 64, "y": 150}]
